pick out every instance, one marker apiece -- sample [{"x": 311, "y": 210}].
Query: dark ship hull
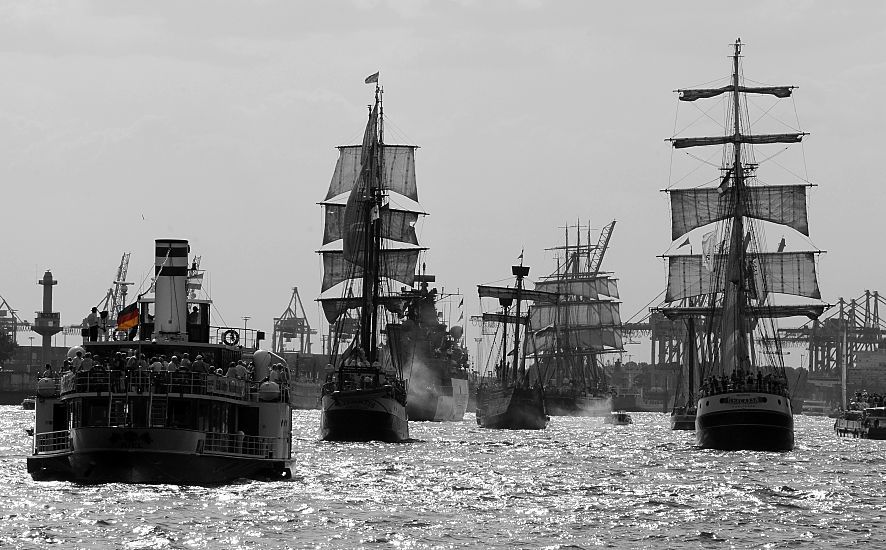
[
  {"x": 511, "y": 408},
  {"x": 683, "y": 420},
  {"x": 363, "y": 415},
  {"x": 755, "y": 421},
  {"x": 152, "y": 455}
]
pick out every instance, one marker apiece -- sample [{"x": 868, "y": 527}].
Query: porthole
[{"x": 779, "y": 401}]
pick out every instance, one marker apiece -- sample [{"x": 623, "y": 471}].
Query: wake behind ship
[
  {"x": 743, "y": 399},
  {"x": 122, "y": 420}
]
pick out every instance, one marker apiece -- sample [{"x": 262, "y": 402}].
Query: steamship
[{"x": 184, "y": 426}]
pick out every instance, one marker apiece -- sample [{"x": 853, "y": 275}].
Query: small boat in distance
[
  {"x": 368, "y": 255},
  {"x": 618, "y": 418},
  {"x": 511, "y": 400},
  {"x": 129, "y": 416}
]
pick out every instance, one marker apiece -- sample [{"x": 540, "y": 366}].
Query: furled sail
[
  {"x": 782, "y": 204},
  {"x": 333, "y": 308},
  {"x": 397, "y": 225},
  {"x": 813, "y": 311},
  {"x": 511, "y": 293},
  {"x": 759, "y": 139},
  {"x": 502, "y": 318},
  {"x": 780, "y": 272},
  {"x": 593, "y": 288},
  {"x": 398, "y": 170},
  {"x": 593, "y": 339},
  {"x": 575, "y": 314},
  {"x": 777, "y": 91},
  {"x": 396, "y": 264}
]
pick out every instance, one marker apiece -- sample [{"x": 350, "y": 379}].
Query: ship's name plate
[{"x": 744, "y": 400}]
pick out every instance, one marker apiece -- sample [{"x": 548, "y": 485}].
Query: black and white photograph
[{"x": 442, "y": 274}]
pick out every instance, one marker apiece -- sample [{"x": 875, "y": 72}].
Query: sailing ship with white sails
[
  {"x": 743, "y": 399},
  {"x": 514, "y": 398},
  {"x": 572, "y": 335},
  {"x": 369, "y": 252}
]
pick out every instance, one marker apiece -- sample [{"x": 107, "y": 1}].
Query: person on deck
[
  {"x": 77, "y": 361},
  {"x": 92, "y": 322}
]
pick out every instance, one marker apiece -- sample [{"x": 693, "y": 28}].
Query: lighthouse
[{"x": 47, "y": 324}]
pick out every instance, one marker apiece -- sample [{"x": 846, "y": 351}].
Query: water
[{"x": 578, "y": 484}]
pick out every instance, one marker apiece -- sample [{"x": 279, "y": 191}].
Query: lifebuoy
[{"x": 231, "y": 337}]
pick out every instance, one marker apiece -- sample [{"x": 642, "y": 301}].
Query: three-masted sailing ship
[
  {"x": 571, "y": 335},
  {"x": 513, "y": 399},
  {"x": 743, "y": 397},
  {"x": 370, "y": 251}
]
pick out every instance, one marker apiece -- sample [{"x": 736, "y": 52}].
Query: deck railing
[
  {"x": 161, "y": 383},
  {"x": 52, "y": 442},
  {"x": 239, "y": 444}
]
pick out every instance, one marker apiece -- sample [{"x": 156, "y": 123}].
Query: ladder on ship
[{"x": 159, "y": 409}]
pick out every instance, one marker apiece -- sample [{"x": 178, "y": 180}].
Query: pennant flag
[
  {"x": 461, "y": 316},
  {"x": 372, "y": 78},
  {"x": 781, "y": 245},
  {"x": 520, "y": 257},
  {"x": 128, "y": 317},
  {"x": 725, "y": 183},
  {"x": 684, "y": 243},
  {"x": 461, "y": 303},
  {"x": 195, "y": 281}
]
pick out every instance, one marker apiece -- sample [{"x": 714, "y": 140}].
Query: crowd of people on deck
[
  {"x": 743, "y": 381},
  {"x": 864, "y": 399},
  {"x": 122, "y": 362}
]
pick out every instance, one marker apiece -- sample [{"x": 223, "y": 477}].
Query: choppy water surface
[{"x": 578, "y": 484}]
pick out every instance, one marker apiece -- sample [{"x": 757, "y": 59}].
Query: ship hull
[
  {"x": 511, "y": 409},
  {"x": 754, "y": 421},
  {"x": 682, "y": 421},
  {"x": 304, "y": 396},
  {"x": 125, "y": 455},
  {"x": 439, "y": 403},
  {"x": 363, "y": 415}
]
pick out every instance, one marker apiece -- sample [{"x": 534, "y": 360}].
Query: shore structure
[
  {"x": 743, "y": 399},
  {"x": 154, "y": 408}
]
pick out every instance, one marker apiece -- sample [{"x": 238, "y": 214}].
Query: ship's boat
[
  {"x": 514, "y": 397},
  {"x": 126, "y": 417},
  {"x": 730, "y": 289},
  {"x": 369, "y": 252},
  {"x": 572, "y": 336}
]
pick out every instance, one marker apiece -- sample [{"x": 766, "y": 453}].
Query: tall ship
[
  {"x": 743, "y": 399},
  {"x": 514, "y": 398},
  {"x": 433, "y": 354},
  {"x": 126, "y": 414},
  {"x": 573, "y": 335},
  {"x": 370, "y": 251}
]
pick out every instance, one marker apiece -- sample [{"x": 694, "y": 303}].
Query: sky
[{"x": 216, "y": 121}]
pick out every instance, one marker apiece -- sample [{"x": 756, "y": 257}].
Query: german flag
[{"x": 128, "y": 317}]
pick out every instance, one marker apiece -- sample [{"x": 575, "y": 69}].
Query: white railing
[
  {"x": 240, "y": 444},
  {"x": 158, "y": 383},
  {"x": 52, "y": 442}
]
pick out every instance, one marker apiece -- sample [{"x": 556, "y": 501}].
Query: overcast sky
[{"x": 122, "y": 122}]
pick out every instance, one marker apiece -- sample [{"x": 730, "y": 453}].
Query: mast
[
  {"x": 519, "y": 271},
  {"x": 733, "y": 353},
  {"x": 371, "y": 243}
]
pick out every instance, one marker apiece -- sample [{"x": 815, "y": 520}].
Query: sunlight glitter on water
[{"x": 578, "y": 484}]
